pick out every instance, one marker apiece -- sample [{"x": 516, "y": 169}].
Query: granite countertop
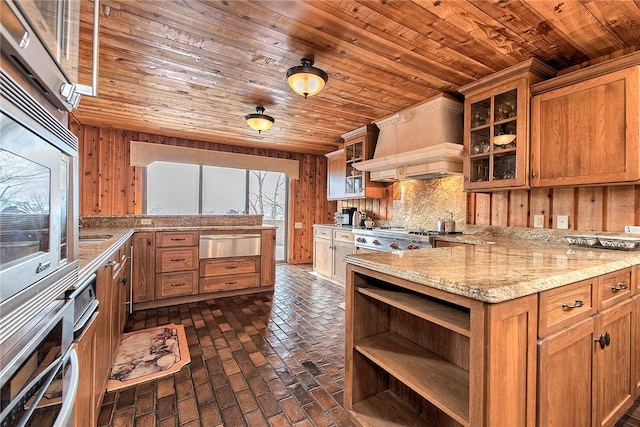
[{"x": 496, "y": 268}]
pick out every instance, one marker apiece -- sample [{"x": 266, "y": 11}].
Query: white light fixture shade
[
  {"x": 305, "y": 79},
  {"x": 259, "y": 121},
  {"x": 503, "y": 139}
]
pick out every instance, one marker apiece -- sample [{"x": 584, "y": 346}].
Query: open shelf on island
[
  {"x": 437, "y": 380},
  {"x": 449, "y": 317},
  {"x": 387, "y": 409}
]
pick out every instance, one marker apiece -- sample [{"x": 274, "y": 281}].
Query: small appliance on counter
[{"x": 347, "y": 216}]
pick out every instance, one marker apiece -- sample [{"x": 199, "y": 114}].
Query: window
[{"x": 188, "y": 189}]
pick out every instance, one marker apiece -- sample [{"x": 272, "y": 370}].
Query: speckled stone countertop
[{"x": 494, "y": 267}]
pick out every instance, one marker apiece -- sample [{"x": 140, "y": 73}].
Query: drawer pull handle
[
  {"x": 604, "y": 340},
  {"x": 577, "y": 304},
  {"x": 175, "y": 239},
  {"x": 178, "y": 259},
  {"x": 233, "y": 282},
  {"x": 231, "y": 267},
  {"x": 620, "y": 287},
  {"x": 176, "y": 285},
  {"x": 123, "y": 280}
]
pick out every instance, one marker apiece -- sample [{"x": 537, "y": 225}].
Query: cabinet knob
[
  {"x": 604, "y": 340},
  {"x": 534, "y": 174},
  {"x": 123, "y": 280},
  {"x": 111, "y": 263},
  {"x": 619, "y": 287},
  {"x": 577, "y": 304}
]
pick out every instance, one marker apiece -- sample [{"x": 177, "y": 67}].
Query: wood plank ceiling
[{"x": 193, "y": 69}]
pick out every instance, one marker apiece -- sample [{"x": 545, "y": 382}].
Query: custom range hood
[{"x": 423, "y": 141}]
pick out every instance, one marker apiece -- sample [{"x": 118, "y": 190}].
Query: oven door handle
[
  {"x": 65, "y": 418},
  {"x": 44, "y": 378},
  {"x": 86, "y": 316}
]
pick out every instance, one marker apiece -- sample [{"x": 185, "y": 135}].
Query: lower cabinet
[
  {"x": 144, "y": 264},
  {"x": 330, "y": 245},
  {"x": 85, "y": 409},
  {"x": 229, "y": 274},
  {"x": 635, "y": 355}
]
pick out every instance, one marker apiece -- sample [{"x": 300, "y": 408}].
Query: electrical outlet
[
  {"x": 297, "y": 225},
  {"x": 563, "y": 222},
  {"x": 632, "y": 229},
  {"x": 538, "y": 221},
  {"x": 145, "y": 221}
]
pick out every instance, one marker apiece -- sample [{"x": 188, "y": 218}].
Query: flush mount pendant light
[
  {"x": 306, "y": 79},
  {"x": 258, "y": 120}
]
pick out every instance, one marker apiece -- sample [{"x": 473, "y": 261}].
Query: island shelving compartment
[{"x": 414, "y": 354}]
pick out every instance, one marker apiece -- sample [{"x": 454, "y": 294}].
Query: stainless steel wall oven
[{"x": 38, "y": 209}]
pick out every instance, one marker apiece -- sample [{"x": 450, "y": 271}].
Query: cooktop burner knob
[
  {"x": 376, "y": 242},
  {"x": 394, "y": 245},
  {"x": 361, "y": 240}
]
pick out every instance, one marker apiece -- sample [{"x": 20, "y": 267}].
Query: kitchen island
[{"x": 509, "y": 332}]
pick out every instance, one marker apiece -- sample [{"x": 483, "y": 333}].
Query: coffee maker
[{"x": 347, "y": 216}]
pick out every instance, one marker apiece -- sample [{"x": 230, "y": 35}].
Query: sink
[{"x": 93, "y": 239}]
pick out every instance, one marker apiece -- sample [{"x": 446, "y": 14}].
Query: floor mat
[{"x": 148, "y": 354}]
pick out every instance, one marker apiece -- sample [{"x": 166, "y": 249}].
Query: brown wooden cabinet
[
  {"x": 336, "y": 173},
  {"x": 359, "y": 145},
  {"x": 85, "y": 409},
  {"x": 585, "y": 352},
  {"x": 268, "y": 257},
  {"x": 496, "y": 127},
  {"x": 585, "y": 126},
  {"x": 144, "y": 264},
  {"x": 176, "y": 264}
]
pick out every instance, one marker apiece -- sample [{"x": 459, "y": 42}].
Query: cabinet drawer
[
  {"x": 169, "y": 285},
  {"x": 322, "y": 232},
  {"x": 229, "y": 283},
  {"x": 343, "y": 236},
  {"x": 614, "y": 287},
  {"x": 226, "y": 266},
  {"x": 565, "y": 305},
  {"x": 166, "y": 239},
  {"x": 168, "y": 260}
]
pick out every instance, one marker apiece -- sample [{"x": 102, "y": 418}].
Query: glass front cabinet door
[{"x": 496, "y": 128}]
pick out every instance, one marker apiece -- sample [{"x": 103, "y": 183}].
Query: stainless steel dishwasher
[{"x": 229, "y": 245}]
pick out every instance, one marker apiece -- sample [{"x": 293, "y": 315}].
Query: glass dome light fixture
[
  {"x": 305, "y": 79},
  {"x": 258, "y": 120},
  {"x": 503, "y": 137}
]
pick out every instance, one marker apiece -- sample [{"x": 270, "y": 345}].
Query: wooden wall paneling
[
  {"x": 540, "y": 204},
  {"x": 620, "y": 207},
  {"x": 500, "y": 208},
  {"x": 519, "y": 209},
  {"x": 105, "y": 171},
  {"x": 483, "y": 209},
  {"x": 89, "y": 172},
  {"x": 590, "y": 209},
  {"x": 563, "y": 203}
]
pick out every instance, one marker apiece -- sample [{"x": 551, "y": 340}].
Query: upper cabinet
[
  {"x": 496, "y": 127},
  {"x": 336, "y": 172},
  {"x": 585, "y": 126},
  {"x": 344, "y": 181}
]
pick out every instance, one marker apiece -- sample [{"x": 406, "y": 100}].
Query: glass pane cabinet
[
  {"x": 359, "y": 145},
  {"x": 497, "y": 125}
]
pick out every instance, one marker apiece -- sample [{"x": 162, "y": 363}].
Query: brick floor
[{"x": 256, "y": 360}]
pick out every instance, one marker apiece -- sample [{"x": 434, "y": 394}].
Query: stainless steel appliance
[
  {"x": 382, "y": 240},
  {"x": 39, "y": 371},
  {"x": 229, "y": 245},
  {"x": 38, "y": 208},
  {"x": 85, "y": 304},
  {"x": 41, "y": 38}
]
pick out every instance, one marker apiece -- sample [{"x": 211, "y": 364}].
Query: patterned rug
[{"x": 149, "y": 354}]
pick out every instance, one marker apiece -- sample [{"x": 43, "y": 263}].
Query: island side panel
[{"x": 512, "y": 362}]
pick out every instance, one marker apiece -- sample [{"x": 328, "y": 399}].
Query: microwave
[
  {"x": 38, "y": 207},
  {"x": 41, "y": 38}
]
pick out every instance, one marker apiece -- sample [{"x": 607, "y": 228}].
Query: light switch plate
[
  {"x": 297, "y": 225},
  {"x": 563, "y": 222},
  {"x": 538, "y": 221},
  {"x": 632, "y": 229},
  {"x": 145, "y": 221}
]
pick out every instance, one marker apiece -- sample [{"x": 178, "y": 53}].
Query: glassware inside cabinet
[
  {"x": 504, "y": 167},
  {"x": 354, "y": 151},
  {"x": 505, "y": 106},
  {"x": 479, "y": 141},
  {"x": 480, "y": 113},
  {"x": 480, "y": 169}
]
